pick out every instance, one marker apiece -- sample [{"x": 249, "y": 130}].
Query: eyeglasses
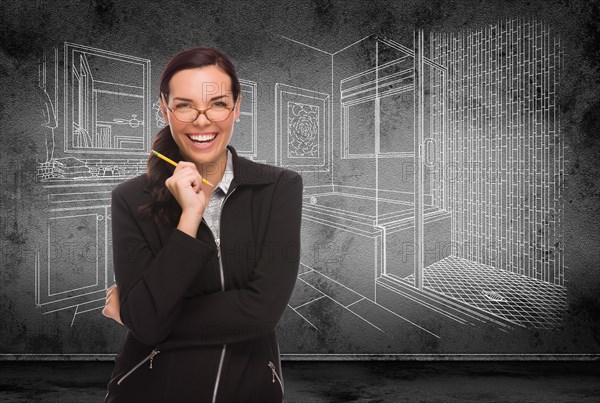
[{"x": 188, "y": 114}]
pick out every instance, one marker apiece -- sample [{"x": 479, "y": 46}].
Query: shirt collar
[{"x": 227, "y": 175}]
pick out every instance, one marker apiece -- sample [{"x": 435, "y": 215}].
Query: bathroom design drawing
[{"x": 433, "y": 167}]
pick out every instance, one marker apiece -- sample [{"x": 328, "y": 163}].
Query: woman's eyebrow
[
  {"x": 191, "y": 100},
  {"x": 218, "y": 97}
]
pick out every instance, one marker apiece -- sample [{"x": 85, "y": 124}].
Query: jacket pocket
[
  {"x": 276, "y": 375},
  {"x": 139, "y": 364}
]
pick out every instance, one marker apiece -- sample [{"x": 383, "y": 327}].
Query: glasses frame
[{"x": 199, "y": 111}]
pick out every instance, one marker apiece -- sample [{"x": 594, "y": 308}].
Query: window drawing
[
  {"x": 244, "y": 137},
  {"x": 384, "y": 93}
]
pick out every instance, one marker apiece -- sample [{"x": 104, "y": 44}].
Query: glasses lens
[
  {"x": 186, "y": 114},
  {"x": 214, "y": 114},
  {"x": 218, "y": 113}
]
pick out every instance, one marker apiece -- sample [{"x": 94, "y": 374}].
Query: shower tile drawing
[
  {"x": 517, "y": 298},
  {"x": 506, "y": 137}
]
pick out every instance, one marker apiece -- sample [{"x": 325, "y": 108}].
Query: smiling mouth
[{"x": 202, "y": 138}]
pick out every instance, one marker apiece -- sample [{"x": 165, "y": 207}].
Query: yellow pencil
[{"x": 170, "y": 161}]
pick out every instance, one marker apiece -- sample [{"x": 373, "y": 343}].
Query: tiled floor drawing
[{"x": 515, "y": 297}]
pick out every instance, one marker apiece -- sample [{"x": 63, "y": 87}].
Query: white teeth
[{"x": 203, "y": 137}]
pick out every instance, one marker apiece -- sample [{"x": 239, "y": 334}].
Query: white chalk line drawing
[
  {"x": 379, "y": 222},
  {"x": 512, "y": 296},
  {"x": 106, "y": 109},
  {"x": 107, "y": 102},
  {"x": 438, "y": 201},
  {"x": 119, "y": 104},
  {"x": 74, "y": 270},
  {"x": 302, "y": 124},
  {"x": 245, "y": 132},
  {"x": 101, "y": 116},
  {"x": 362, "y": 298},
  {"x": 303, "y": 318},
  {"x": 49, "y": 113}
]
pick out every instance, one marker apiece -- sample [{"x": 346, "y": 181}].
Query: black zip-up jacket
[{"x": 186, "y": 339}]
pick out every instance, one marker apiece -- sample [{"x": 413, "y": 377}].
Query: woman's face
[{"x": 201, "y": 141}]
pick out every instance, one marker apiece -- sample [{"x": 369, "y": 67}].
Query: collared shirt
[{"x": 212, "y": 214}]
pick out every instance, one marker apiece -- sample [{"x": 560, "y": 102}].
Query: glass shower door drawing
[{"x": 432, "y": 220}]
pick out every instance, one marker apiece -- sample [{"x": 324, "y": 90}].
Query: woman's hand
[
  {"x": 112, "y": 306},
  {"x": 186, "y": 186}
]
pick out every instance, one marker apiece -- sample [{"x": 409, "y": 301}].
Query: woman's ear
[
  {"x": 163, "y": 109},
  {"x": 236, "y": 112}
]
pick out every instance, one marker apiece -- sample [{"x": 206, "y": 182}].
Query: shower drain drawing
[{"x": 494, "y": 296}]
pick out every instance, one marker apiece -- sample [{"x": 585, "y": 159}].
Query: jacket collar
[{"x": 250, "y": 173}]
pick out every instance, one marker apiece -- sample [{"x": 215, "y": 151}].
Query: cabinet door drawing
[{"x": 71, "y": 263}]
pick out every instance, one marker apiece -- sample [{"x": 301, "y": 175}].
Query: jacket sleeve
[
  {"x": 152, "y": 286},
  {"x": 252, "y": 312}
]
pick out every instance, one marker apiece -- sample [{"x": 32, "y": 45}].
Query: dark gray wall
[{"x": 260, "y": 37}]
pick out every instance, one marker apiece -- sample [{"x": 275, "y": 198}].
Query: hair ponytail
[{"x": 163, "y": 207}]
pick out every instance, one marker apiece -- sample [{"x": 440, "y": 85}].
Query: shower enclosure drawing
[{"x": 449, "y": 166}]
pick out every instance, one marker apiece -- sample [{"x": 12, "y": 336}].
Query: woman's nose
[{"x": 201, "y": 119}]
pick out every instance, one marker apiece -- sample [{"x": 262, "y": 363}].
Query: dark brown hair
[{"x": 163, "y": 206}]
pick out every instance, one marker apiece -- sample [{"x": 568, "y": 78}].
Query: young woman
[{"x": 203, "y": 273}]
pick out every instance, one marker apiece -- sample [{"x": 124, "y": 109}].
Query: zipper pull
[
  {"x": 154, "y": 352},
  {"x": 272, "y": 366},
  {"x": 218, "y": 242}
]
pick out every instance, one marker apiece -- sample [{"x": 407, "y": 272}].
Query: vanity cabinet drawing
[
  {"x": 102, "y": 106},
  {"x": 74, "y": 257}
]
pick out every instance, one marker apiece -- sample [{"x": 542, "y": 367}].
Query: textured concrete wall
[{"x": 291, "y": 43}]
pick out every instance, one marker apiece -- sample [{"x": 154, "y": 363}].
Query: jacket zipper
[
  {"x": 132, "y": 370},
  {"x": 218, "y": 243},
  {"x": 272, "y": 366}
]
